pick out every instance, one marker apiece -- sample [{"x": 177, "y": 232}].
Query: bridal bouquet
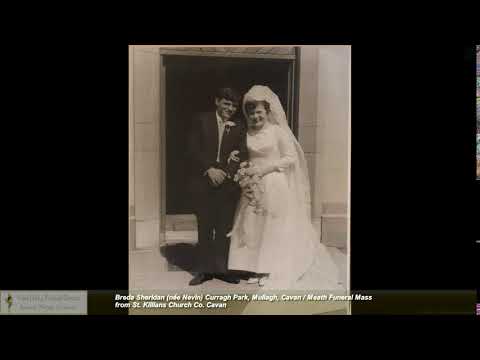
[{"x": 251, "y": 185}]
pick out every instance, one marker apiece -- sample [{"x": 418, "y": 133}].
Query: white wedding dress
[{"x": 282, "y": 242}]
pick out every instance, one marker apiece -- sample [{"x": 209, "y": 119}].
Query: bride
[{"x": 279, "y": 244}]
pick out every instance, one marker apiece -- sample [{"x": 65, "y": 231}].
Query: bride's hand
[
  {"x": 252, "y": 171},
  {"x": 267, "y": 169}
]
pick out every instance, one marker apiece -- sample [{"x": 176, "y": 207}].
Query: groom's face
[{"x": 225, "y": 108}]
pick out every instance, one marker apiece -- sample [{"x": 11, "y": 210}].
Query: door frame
[{"x": 292, "y": 111}]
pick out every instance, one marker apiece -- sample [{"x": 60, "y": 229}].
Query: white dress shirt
[{"x": 221, "y": 128}]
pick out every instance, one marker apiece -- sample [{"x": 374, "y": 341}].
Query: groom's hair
[{"x": 228, "y": 94}]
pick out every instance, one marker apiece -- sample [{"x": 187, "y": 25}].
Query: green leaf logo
[{"x": 9, "y": 301}]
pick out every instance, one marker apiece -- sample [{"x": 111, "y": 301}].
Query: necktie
[{"x": 221, "y": 130}]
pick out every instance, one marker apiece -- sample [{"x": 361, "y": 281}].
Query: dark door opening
[{"x": 191, "y": 83}]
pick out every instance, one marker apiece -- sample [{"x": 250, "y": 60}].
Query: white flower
[
  {"x": 233, "y": 156},
  {"x": 228, "y": 125}
]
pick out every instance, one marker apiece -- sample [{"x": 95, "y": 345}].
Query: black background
[
  {"x": 413, "y": 163},
  {"x": 65, "y": 167}
]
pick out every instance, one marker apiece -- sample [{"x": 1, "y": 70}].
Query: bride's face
[{"x": 257, "y": 117}]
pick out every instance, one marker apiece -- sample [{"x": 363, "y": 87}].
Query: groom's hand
[{"x": 217, "y": 176}]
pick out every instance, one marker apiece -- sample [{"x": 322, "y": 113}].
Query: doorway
[{"x": 190, "y": 85}]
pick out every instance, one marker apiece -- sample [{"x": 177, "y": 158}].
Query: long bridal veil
[{"x": 308, "y": 264}]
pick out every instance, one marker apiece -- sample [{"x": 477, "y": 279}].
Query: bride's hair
[{"x": 251, "y": 105}]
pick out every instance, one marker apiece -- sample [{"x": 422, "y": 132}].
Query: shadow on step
[{"x": 179, "y": 256}]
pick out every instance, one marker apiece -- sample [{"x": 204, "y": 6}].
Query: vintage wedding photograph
[{"x": 239, "y": 172}]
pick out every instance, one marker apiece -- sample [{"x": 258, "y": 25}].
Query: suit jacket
[{"x": 203, "y": 146}]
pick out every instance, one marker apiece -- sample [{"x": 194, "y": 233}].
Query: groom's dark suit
[{"x": 214, "y": 206}]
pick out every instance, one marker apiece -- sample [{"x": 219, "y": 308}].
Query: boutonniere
[
  {"x": 228, "y": 125},
  {"x": 233, "y": 156}
]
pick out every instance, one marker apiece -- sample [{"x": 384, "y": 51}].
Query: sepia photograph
[{"x": 239, "y": 177}]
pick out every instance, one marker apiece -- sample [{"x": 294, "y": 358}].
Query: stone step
[
  {"x": 334, "y": 230},
  {"x": 182, "y": 222},
  {"x": 179, "y": 237}
]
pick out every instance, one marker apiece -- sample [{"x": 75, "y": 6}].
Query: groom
[{"x": 216, "y": 148}]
